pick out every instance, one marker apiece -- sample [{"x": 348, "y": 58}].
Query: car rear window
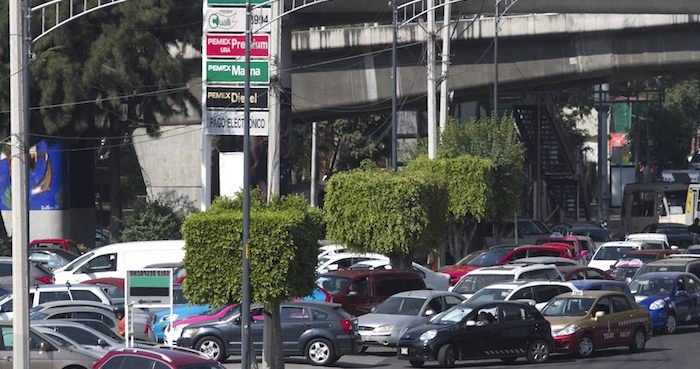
[
  {"x": 400, "y": 306},
  {"x": 661, "y": 268},
  {"x": 489, "y": 258},
  {"x": 469, "y": 284},
  {"x": 332, "y": 283},
  {"x": 612, "y": 252}
]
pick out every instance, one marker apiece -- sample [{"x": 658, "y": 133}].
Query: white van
[{"x": 112, "y": 261}]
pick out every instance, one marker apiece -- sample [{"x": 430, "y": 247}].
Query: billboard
[{"x": 48, "y": 180}]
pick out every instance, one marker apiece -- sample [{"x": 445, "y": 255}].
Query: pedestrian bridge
[{"x": 336, "y": 71}]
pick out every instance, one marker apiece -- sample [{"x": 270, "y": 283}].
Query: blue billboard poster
[{"x": 47, "y": 169}]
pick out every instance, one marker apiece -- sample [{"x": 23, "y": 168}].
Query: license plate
[{"x": 403, "y": 350}]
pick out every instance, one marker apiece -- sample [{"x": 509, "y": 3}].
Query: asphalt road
[{"x": 677, "y": 351}]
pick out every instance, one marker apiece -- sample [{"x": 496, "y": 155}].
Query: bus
[{"x": 644, "y": 204}]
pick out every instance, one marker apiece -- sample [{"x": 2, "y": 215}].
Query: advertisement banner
[
  {"x": 230, "y": 123},
  {"x": 233, "y": 46},
  {"x": 233, "y": 97},
  {"x": 234, "y": 71},
  {"x": 233, "y": 20},
  {"x": 48, "y": 177}
]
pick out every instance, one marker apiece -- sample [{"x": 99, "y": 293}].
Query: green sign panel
[
  {"x": 234, "y": 71},
  {"x": 235, "y": 2},
  {"x": 149, "y": 287}
]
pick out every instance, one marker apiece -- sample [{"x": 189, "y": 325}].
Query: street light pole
[
  {"x": 495, "y": 59},
  {"x": 245, "y": 250},
  {"x": 19, "y": 130},
  {"x": 432, "y": 123},
  {"x": 444, "y": 90},
  {"x": 601, "y": 97},
  {"x": 394, "y": 81}
]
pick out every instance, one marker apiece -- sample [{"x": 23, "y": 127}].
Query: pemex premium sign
[{"x": 233, "y": 46}]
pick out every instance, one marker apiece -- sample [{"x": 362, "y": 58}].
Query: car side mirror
[
  {"x": 429, "y": 312},
  {"x": 101, "y": 342},
  {"x": 46, "y": 347},
  {"x": 599, "y": 314},
  {"x": 681, "y": 293},
  {"x": 470, "y": 323}
]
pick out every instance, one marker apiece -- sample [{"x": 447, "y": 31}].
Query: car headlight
[
  {"x": 427, "y": 336},
  {"x": 658, "y": 304},
  {"x": 384, "y": 328},
  {"x": 187, "y": 333},
  {"x": 169, "y": 317},
  {"x": 569, "y": 329}
]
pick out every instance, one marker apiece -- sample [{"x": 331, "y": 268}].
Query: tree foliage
[
  {"x": 283, "y": 243},
  {"x": 374, "y": 210},
  {"x": 497, "y": 140},
  {"x": 158, "y": 218}
]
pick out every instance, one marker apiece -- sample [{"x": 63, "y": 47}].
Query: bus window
[
  {"x": 642, "y": 204},
  {"x": 676, "y": 201}
]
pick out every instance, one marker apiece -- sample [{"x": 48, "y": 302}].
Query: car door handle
[{"x": 8, "y": 358}]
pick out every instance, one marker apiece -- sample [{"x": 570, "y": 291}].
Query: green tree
[
  {"x": 109, "y": 72},
  {"x": 382, "y": 211},
  {"x": 283, "y": 244},
  {"x": 470, "y": 192},
  {"x": 159, "y": 218},
  {"x": 498, "y": 141}
]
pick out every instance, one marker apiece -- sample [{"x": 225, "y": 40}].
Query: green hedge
[
  {"x": 386, "y": 212},
  {"x": 470, "y": 184},
  {"x": 283, "y": 249}
]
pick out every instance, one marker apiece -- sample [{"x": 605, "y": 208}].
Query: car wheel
[
  {"x": 585, "y": 346},
  {"x": 212, "y": 347},
  {"x": 640, "y": 341},
  {"x": 671, "y": 324},
  {"x": 537, "y": 352},
  {"x": 446, "y": 356},
  {"x": 320, "y": 352},
  {"x": 417, "y": 363}
]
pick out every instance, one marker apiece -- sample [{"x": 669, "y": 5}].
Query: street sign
[
  {"x": 234, "y": 71},
  {"x": 235, "y": 2},
  {"x": 233, "y": 97},
  {"x": 149, "y": 287},
  {"x": 233, "y": 46},
  {"x": 233, "y": 20},
  {"x": 228, "y": 122}
]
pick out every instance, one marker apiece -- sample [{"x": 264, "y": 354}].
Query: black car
[
  {"x": 503, "y": 330},
  {"x": 322, "y": 332}
]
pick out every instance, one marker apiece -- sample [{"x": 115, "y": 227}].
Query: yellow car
[{"x": 585, "y": 321}]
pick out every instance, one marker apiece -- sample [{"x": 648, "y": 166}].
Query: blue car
[
  {"x": 181, "y": 309},
  {"x": 673, "y": 298}
]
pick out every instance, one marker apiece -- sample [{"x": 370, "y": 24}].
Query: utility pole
[
  {"x": 19, "y": 130},
  {"x": 601, "y": 98},
  {"x": 312, "y": 190},
  {"x": 394, "y": 82},
  {"x": 245, "y": 250},
  {"x": 432, "y": 123},
  {"x": 444, "y": 86},
  {"x": 495, "y": 59}
]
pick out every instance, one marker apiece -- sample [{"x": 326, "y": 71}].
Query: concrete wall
[
  {"x": 76, "y": 224},
  {"x": 170, "y": 161}
]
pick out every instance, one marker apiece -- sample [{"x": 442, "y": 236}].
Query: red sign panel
[{"x": 227, "y": 46}]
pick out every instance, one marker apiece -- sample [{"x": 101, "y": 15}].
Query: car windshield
[
  {"x": 489, "y": 258},
  {"x": 452, "y": 316},
  {"x": 469, "y": 284},
  {"x": 466, "y": 259},
  {"x": 651, "y": 286},
  {"x": 214, "y": 311},
  {"x": 400, "y": 306},
  {"x": 234, "y": 311},
  {"x": 491, "y": 294},
  {"x": 332, "y": 283},
  {"x": 568, "y": 306},
  {"x": 624, "y": 271},
  {"x": 660, "y": 269},
  {"x": 78, "y": 261},
  {"x": 643, "y": 257},
  {"x": 612, "y": 252}
]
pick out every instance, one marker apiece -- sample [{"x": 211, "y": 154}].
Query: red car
[
  {"x": 56, "y": 243},
  {"x": 504, "y": 255},
  {"x": 156, "y": 357}
]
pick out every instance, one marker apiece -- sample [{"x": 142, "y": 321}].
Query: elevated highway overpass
[{"x": 335, "y": 71}]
